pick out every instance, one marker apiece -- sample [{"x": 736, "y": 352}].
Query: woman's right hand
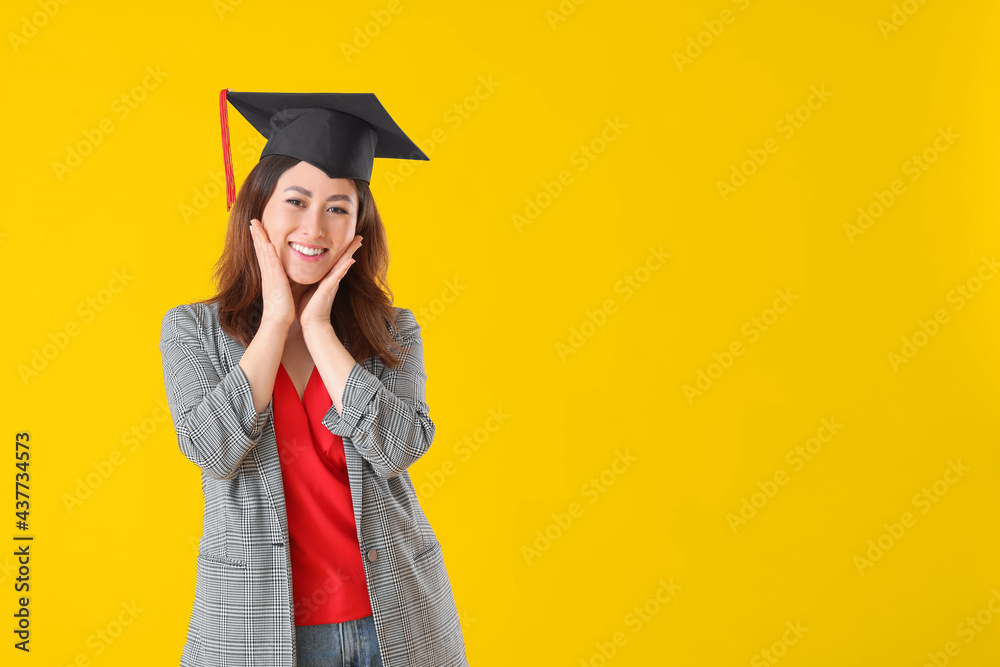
[{"x": 279, "y": 307}]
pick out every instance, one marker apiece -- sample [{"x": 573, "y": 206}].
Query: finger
[
  {"x": 267, "y": 257},
  {"x": 340, "y": 266},
  {"x": 263, "y": 232},
  {"x": 275, "y": 260},
  {"x": 259, "y": 250},
  {"x": 349, "y": 251},
  {"x": 256, "y": 244},
  {"x": 274, "y": 264},
  {"x": 335, "y": 275},
  {"x": 255, "y": 235},
  {"x": 268, "y": 253}
]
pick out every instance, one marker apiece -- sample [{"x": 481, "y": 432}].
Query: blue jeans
[{"x": 348, "y": 644}]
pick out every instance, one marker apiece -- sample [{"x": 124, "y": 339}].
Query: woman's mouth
[{"x": 307, "y": 254}]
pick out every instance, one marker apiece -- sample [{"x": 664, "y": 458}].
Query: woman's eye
[{"x": 335, "y": 209}]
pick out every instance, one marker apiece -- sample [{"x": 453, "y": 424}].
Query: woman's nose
[{"x": 313, "y": 223}]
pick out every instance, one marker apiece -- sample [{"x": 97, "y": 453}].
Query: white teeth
[{"x": 312, "y": 252}]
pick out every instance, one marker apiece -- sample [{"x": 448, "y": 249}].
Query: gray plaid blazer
[{"x": 243, "y": 610}]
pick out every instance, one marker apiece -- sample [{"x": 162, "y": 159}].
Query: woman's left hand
[{"x": 316, "y": 302}]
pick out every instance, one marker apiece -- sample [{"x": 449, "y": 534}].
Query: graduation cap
[{"x": 340, "y": 133}]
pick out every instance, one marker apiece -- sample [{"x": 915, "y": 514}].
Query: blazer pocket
[
  {"x": 429, "y": 551},
  {"x": 223, "y": 560}
]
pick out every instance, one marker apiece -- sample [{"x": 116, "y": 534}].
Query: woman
[{"x": 286, "y": 389}]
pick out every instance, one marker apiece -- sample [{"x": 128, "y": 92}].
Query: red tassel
[{"x": 227, "y": 157}]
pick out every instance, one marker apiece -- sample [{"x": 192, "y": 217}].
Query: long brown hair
[{"x": 362, "y": 312}]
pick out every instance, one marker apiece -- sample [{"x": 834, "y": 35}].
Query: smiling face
[{"x": 310, "y": 218}]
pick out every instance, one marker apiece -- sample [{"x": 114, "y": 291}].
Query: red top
[{"x": 327, "y": 571}]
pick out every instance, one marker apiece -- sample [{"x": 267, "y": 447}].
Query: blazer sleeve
[
  {"x": 386, "y": 417},
  {"x": 214, "y": 417}
]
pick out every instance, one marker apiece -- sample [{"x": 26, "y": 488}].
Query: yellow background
[{"x": 499, "y": 300}]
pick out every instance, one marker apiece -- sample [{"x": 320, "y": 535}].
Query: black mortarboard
[{"x": 340, "y": 133}]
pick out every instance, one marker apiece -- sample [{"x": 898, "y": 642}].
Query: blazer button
[{"x": 372, "y": 555}]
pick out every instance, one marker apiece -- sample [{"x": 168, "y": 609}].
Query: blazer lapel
[{"x": 265, "y": 452}]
